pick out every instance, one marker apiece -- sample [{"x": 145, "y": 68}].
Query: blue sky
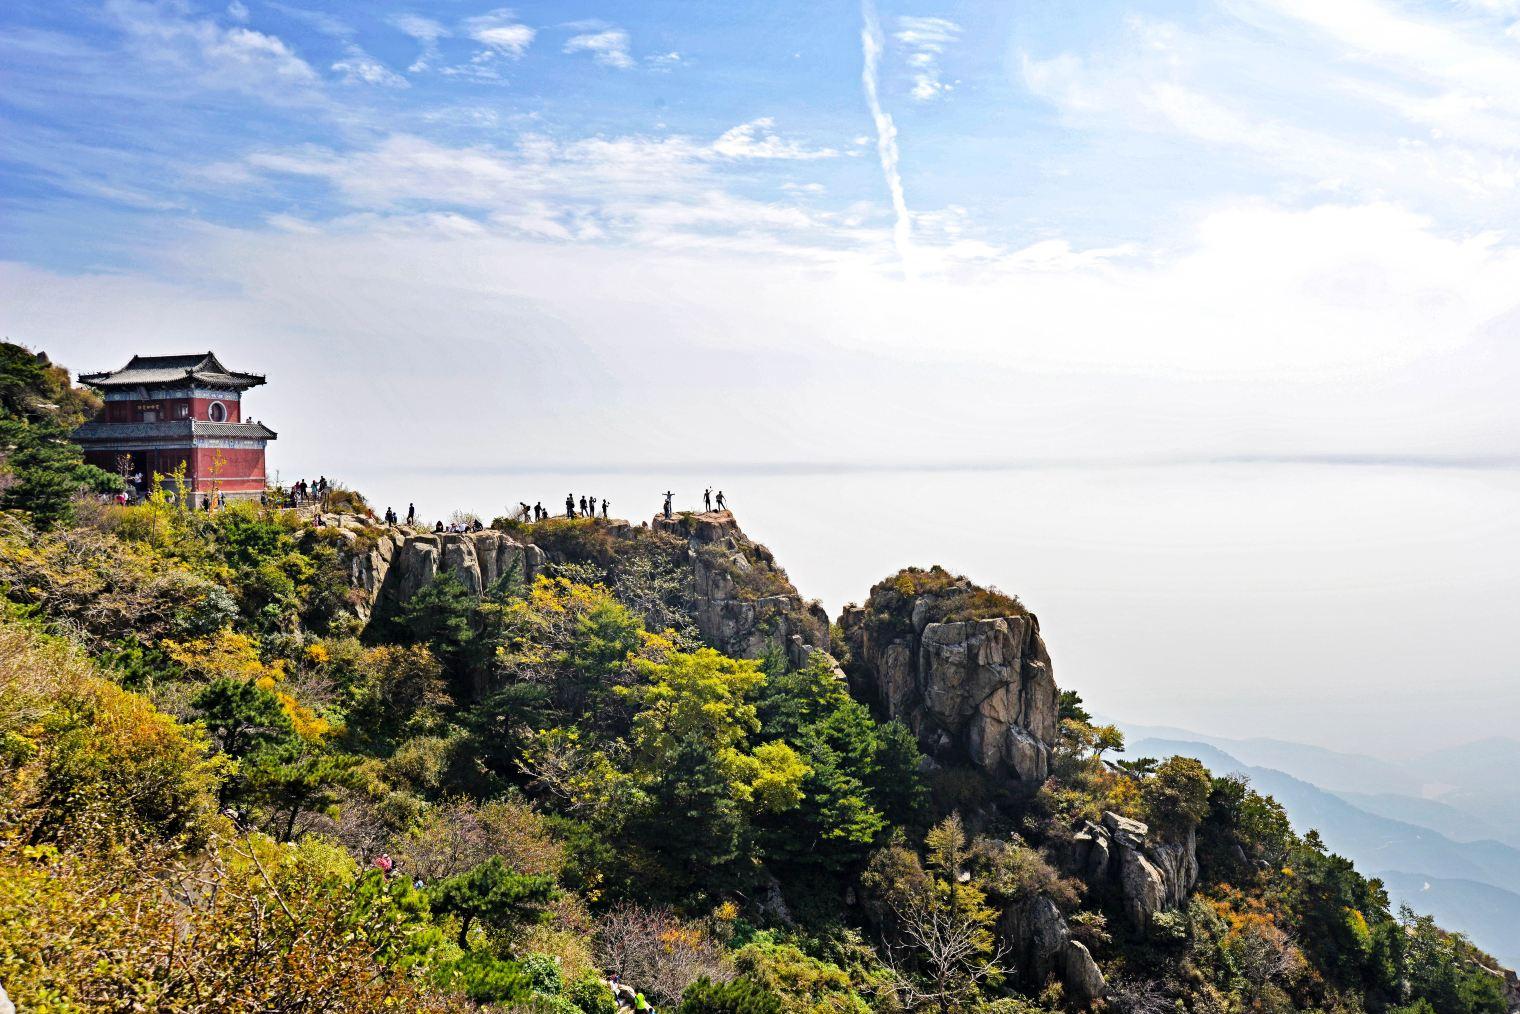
[{"x": 1096, "y": 124}]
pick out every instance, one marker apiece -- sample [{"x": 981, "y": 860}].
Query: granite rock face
[
  {"x": 387, "y": 566},
  {"x": 1151, "y": 875},
  {"x": 976, "y": 690},
  {"x": 738, "y": 599},
  {"x": 1040, "y": 946},
  {"x": 742, "y": 602}
]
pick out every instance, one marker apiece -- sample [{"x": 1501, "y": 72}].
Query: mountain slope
[
  {"x": 1482, "y": 911},
  {"x": 1453, "y": 822},
  {"x": 1379, "y": 844}
]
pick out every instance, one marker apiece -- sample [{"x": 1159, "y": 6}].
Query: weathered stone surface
[
  {"x": 1177, "y": 863},
  {"x": 1084, "y": 979},
  {"x": 1126, "y": 831},
  {"x": 735, "y": 619},
  {"x": 1144, "y": 887},
  {"x": 389, "y": 565},
  {"x": 977, "y": 690},
  {"x": 1040, "y": 946},
  {"x": 1151, "y": 875}
]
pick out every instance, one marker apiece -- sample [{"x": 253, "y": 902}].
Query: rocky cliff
[
  {"x": 742, "y": 602},
  {"x": 696, "y": 570},
  {"x": 387, "y": 565},
  {"x": 962, "y": 666}
]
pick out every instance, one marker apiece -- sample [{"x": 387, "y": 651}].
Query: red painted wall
[
  {"x": 170, "y": 408},
  {"x": 242, "y": 469}
]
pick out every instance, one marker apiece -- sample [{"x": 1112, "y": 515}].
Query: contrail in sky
[{"x": 886, "y": 133}]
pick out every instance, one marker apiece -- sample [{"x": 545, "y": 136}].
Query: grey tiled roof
[
  {"x": 173, "y": 428},
  {"x": 228, "y": 429},
  {"x": 145, "y": 371}
]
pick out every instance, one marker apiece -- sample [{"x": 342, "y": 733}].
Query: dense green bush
[
  {"x": 591, "y": 996},
  {"x": 544, "y": 973},
  {"x": 740, "y": 996}
]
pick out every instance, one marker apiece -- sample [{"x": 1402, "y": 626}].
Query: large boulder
[
  {"x": 1151, "y": 875},
  {"x": 963, "y": 667},
  {"x": 1040, "y": 946}
]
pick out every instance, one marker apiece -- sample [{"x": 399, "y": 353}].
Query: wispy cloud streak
[{"x": 871, "y": 45}]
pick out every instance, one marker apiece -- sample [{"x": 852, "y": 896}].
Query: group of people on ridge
[
  {"x": 303, "y": 491},
  {"x": 583, "y": 507},
  {"x": 587, "y": 508},
  {"x": 392, "y": 519}
]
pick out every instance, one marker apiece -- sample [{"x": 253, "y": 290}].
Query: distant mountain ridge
[
  {"x": 1411, "y": 856},
  {"x": 1466, "y": 793}
]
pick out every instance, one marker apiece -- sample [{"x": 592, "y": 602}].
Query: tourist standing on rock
[
  {"x": 668, "y": 496},
  {"x": 604, "y": 508},
  {"x": 411, "y": 515},
  {"x": 583, "y": 506},
  {"x": 707, "y": 498},
  {"x": 569, "y": 505},
  {"x": 721, "y": 506}
]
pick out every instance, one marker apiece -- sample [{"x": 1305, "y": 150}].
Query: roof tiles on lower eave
[{"x": 173, "y": 428}]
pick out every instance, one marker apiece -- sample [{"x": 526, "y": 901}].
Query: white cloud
[
  {"x": 663, "y": 61},
  {"x": 237, "y": 11},
  {"x": 925, "y": 40},
  {"x": 235, "y": 58},
  {"x": 886, "y": 132},
  {"x": 1326, "y": 124},
  {"x": 757, "y": 139},
  {"x": 358, "y": 67},
  {"x": 501, "y": 32},
  {"x": 319, "y": 21},
  {"x": 608, "y": 47},
  {"x": 1339, "y": 329},
  {"x": 246, "y": 49},
  {"x": 667, "y": 192},
  {"x": 427, "y": 32}
]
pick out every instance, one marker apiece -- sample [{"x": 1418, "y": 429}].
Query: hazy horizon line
[{"x": 1497, "y": 462}]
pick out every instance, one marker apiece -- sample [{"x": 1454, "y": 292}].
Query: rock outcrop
[
  {"x": 388, "y": 565},
  {"x": 963, "y": 667},
  {"x": 1150, "y": 875},
  {"x": 1040, "y": 945},
  {"x": 737, "y": 599},
  {"x": 742, "y": 602}
]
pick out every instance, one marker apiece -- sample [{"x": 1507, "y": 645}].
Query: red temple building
[{"x": 162, "y": 412}]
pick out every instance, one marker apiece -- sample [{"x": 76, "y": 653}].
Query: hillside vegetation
[{"x": 222, "y": 787}]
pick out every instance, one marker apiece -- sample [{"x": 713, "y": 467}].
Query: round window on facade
[{"x": 217, "y": 412}]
